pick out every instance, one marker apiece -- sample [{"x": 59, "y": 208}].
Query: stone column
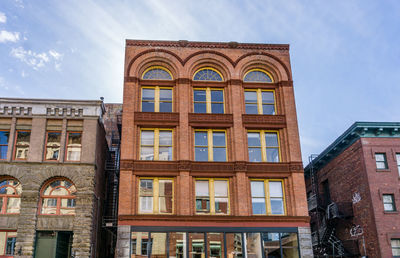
[
  {"x": 123, "y": 241},
  {"x": 306, "y": 250}
]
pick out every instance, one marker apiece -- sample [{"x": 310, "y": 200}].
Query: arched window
[
  {"x": 208, "y": 74},
  {"x": 257, "y": 75},
  {"x": 58, "y": 198},
  {"x": 157, "y": 73},
  {"x": 10, "y": 196}
]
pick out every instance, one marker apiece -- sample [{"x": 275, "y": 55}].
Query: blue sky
[{"x": 345, "y": 55}]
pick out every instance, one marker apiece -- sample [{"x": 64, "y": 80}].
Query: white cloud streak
[
  {"x": 7, "y": 36},
  {"x": 3, "y": 17},
  {"x": 37, "y": 60}
]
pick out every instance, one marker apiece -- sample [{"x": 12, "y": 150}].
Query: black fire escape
[{"x": 326, "y": 217}]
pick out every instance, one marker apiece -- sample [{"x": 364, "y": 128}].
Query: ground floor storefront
[{"x": 213, "y": 242}]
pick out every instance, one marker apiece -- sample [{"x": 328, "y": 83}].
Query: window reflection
[
  {"x": 10, "y": 196},
  {"x": 22, "y": 145},
  {"x": 58, "y": 198}
]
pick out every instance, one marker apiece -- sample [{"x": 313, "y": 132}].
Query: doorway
[{"x": 53, "y": 244}]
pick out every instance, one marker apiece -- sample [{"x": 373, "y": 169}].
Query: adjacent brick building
[
  {"x": 353, "y": 193},
  {"x": 52, "y": 155},
  {"x": 210, "y": 154}
]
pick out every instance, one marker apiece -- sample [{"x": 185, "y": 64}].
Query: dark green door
[
  {"x": 53, "y": 244},
  {"x": 64, "y": 241}
]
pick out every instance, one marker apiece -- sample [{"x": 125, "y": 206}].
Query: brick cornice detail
[
  {"x": 296, "y": 167},
  {"x": 210, "y": 120},
  {"x": 131, "y": 79},
  {"x": 264, "y": 121},
  {"x": 157, "y": 118},
  {"x": 285, "y": 83},
  {"x": 193, "y": 44}
]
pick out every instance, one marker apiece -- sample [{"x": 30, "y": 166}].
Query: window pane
[
  {"x": 253, "y": 139},
  {"x": 255, "y": 155},
  {"x": 221, "y": 188},
  {"x": 215, "y": 245},
  {"x": 388, "y": 207},
  {"x": 267, "y": 97},
  {"x": 3, "y": 152},
  {"x": 139, "y": 241},
  {"x": 23, "y": 138},
  {"x": 203, "y": 205},
  {"x": 395, "y": 242},
  {"x": 200, "y": 139},
  {"x": 196, "y": 245},
  {"x": 146, "y": 204},
  {"x": 201, "y": 154},
  {"x": 251, "y": 109},
  {"x": 380, "y": 165},
  {"x": 165, "y": 137},
  {"x": 4, "y": 135},
  {"x": 199, "y": 95},
  {"x": 290, "y": 246},
  {"x": 379, "y": 157},
  {"x": 148, "y": 106},
  {"x": 148, "y": 94},
  {"x": 219, "y": 154},
  {"x": 177, "y": 245},
  {"x": 271, "y": 245},
  {"x": 253, "y": 245},
  {"x": 217, "y": 108},
  {"x": 13, "y": 205},
  {"x": 165, "y": 204},
  {"x": 200, "y": 107},
  {"x": 67, "y": 207},
  {"x": 147, "y": 153},
  {"x": 165, "y": 153},
  {"x": 221, "y": 205},
  {"x": 272, "y": 155},
  {"x": 258, "y": 205},
  {"x": 257, "y": 189},
  {"x": 165, "y": 106},
  {"x": 234, "y": 245},
  {"x": 268, "y": 109},
  {"x": 165, "y": 95},
  {"x": 202, "y": 188},
  {"x": 250, "y": 96},
  {"x": 146, "y": 187},
  {"x": 217, "y": 96},
  {"x": 219, "y": 139},
  {"x": 275, "y": 189},
  {"x": 74, "y": 138},
  {"x": 277, "y": 206},
  {"x": 147, "y": 138},
  {"x": 387, "y": 198},
  {"x": 158, "y": 245},
  {"x": 271, "y": 139},
  {"x": 49, "y": 206},
  {"x": 398, "y": 159}
]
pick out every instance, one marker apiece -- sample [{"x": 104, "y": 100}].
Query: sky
[{"x": 345, "y": 54}]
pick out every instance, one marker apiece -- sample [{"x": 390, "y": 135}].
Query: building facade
[
  {"x": 210, "y": 154},
  {"x": 52, "y": 177},
  {"x": 353, "y": 193}
]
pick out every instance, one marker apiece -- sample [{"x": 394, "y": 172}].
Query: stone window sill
[
  {"x": 383, "y": 170},
  {"x": 390, "y": 212}
]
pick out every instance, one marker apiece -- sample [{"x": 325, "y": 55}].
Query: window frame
[
  {"x": 156, "y": 195},
  {"x": 211, "y": 193},
  {"x": 46, "y": 146},
  {"x": 66, "y": 147},
  {"x": 260, "y": 103},
  {"x": 258, "y": 70},
  {"x": 5, "y": 197},
  {"x": 393, "y": 202},
  {"x": 208, "y": 101},
  {"x": 156, "y": 98},
  {"x": 267, "y": 196},
  {"x": 208, "y": 68},
  {"x": 156, "y": 67},
  {"x": 16, "y": 146},
  {"x": 210, "y": 144},
  {"x": 392, "y": 247},
  {"x": 58, "y": 198},
  {"x": 156, "y": 143},
  {"x": 398, "y": 162},
  {"x": 384, "y": 160},
  {"x": 7, "y": 144},
  {"x": 263, "y": 145}
]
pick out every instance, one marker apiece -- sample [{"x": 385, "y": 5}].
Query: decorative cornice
[
  {"x": 157, "y": 118},
  {"x": 264, "y": 121},
  {"x": 210, "y": 120},
  {"x": 197, "y": 44}
]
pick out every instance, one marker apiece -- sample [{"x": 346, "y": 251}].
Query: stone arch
[
  {"x": 275, "y": 65},
  {"x": 153, "y": 55},
  {"x": 270, "y": 68},
  {"x": 205, "y": 59},
  {"x": 156, "y": 61}
]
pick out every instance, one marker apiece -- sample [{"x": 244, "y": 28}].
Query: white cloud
[
  {"x": 8, "y": 36},
  {"x": 19, "y": 3},
  {"x": 37, "y": 60},
  {"x": 3, "y": 18}
]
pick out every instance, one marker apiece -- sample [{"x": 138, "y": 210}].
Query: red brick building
[
  {"x": 210, "y": 154},
  {"x": 355, "y": 196}
]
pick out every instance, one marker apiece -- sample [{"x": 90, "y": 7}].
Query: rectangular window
[
  {"x": 260, "y": 102},
  {"x": 4, "y": 136},
  {"x": 380, "y": 159},
  {"x": 74, "y": 146},
  {"x": 398, "y": 162},
  {"x": 267, "y": 197},
  {"x": 212, "y": 196},
  {"x": 210, "y": 145},
  {"x": 263, "y": 146},
  {"x": 388, "y": 202},
  {"x": 156, "y": 195},
  {"x": 208, "y": 101},
  {"x": 156, "y": 99},
  {"x": 395, "y": 243},
  {"x": 22, "y": 142},
  {"x": 156, "y": 144},
  {"x": 53, "y": 144},
  {"x": 7, "y": 243}
]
